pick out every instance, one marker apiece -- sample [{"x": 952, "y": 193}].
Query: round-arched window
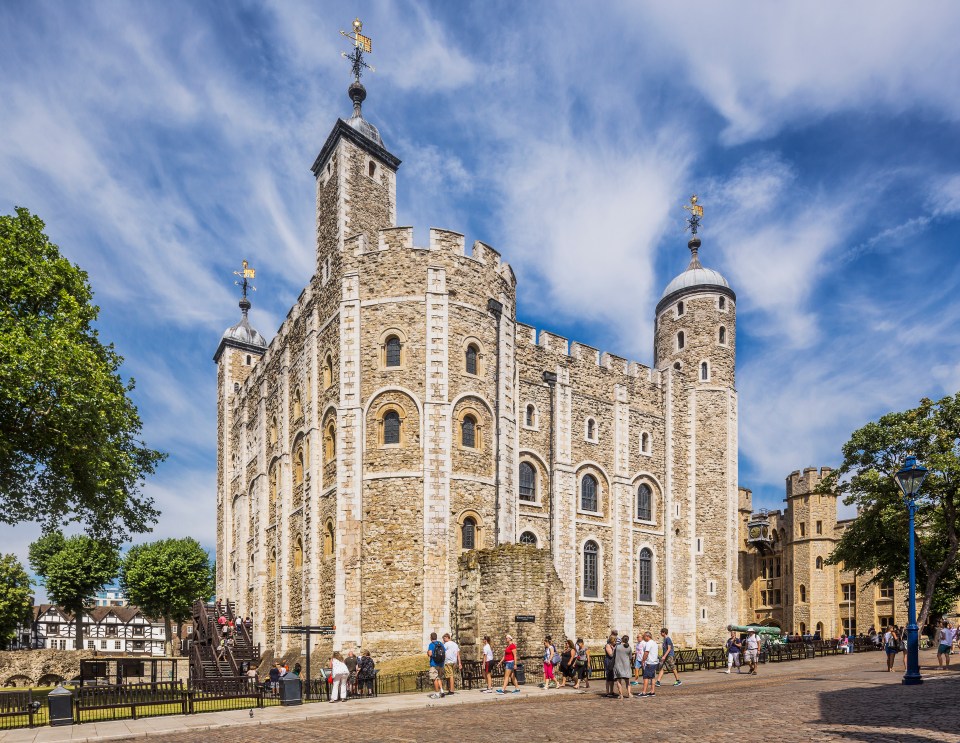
[
  {"x": 471, "y": 359},
  {"x": 392, "y": 348},
  {"x": 468, "y": 432},
  {"x": 644, "y": 502},
  {"x": 528, "y": 537},
  {"x": 645, "y": 575},
  {"x": 391, "y": 427},
  {"x": 468, "y": 534},
  {"x": 591, "y": 580},
  {"x": 588, "y": 494},
  {"x": 528, "y": 482}
]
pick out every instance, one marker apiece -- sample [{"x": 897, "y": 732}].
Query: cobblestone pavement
[{"x": 842, "y": 698}]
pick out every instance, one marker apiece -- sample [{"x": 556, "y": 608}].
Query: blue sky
[{"x": 164, "y": 142}]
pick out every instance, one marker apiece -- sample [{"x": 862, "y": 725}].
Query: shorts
[
  {"x": 434, "y": 673},
  {"x": 892, "y": 651},
  {"x": 650, "y": 671},
  {"x": 750, "y": 656},
  {"x": 582, "y": 671},
  {"x": 510, "y": 665},
  {"x": 448, "y": 670},
  {"x": 638, "y": 663},
  {"x": 488, "y": 666},
  {"x": 667, "y": 663},
  {"x": 943, "y": 650}
]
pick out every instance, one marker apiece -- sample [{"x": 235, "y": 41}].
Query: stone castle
[{"x": 404, "y": 450}]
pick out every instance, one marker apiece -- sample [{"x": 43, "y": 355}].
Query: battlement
[
  {"x": 581, "y": 352},
  {"x": 806, "y": 482},
  {"x": 448, "y": 241}
]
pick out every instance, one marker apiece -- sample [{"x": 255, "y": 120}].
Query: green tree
[
  {"x": 15, "y": 597},
  {"x": 164, "y": 578},
  {"x": 70, "y": 445},
  {"x": 877, "y": 540},
  {"x": 73, "y": 569}
]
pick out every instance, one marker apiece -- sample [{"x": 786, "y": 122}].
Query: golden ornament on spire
[{"x": 696, "y": 214}]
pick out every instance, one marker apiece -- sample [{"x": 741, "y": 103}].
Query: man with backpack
[{"x": 437, "y": 655}]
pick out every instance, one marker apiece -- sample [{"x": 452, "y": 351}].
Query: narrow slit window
[
  {"x": 468, "y": 534},
  {"x": 645, "y": 575},
  {"x": 471, "y": 359},
  {"x": 723, "y": 336},
  {"x": 680, "y": 341},
  {"x": 644, "y": 502},
  {"x": 590, "y": 570},
  {"x": 588, "y": 494}
]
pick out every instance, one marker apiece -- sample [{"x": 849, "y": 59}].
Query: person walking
[
  {"x": 733, "y": 652},
  {"x": 945, "y": 637},
  {"x": 568, "y": 661},
  {"x": 751, "y": 650},
  {"x": 452, "y": 662},
  {"x": 621, "y": 667},
  {"x": 339, "y": 674},
  {"x": 649, "y": 659},
  {"x": 488, "y": 664},
  {"x": 637, "y": 661},
  {"x": 351, "y": 663},
  {"x": 549, "y": 651},
  {"x": 582, "y": 665},
  {"x": 437, "y": 655},
  {"x": 891, "y": 646},
  {"x": 509, "y": 665},
  {"x": 366, "y": 675},
  {"x": 667, "y": 658}
]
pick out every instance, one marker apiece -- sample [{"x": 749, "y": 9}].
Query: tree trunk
[
  {"x": 78, "y": 617},
  {"x": 168, "y": 630}
]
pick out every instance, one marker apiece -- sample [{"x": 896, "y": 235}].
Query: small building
[
  {"x": 109, "y": 597},
  {"x": 108, "y": 629}
]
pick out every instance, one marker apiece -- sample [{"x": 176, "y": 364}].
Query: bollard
[{"x": 60, "y": 705}]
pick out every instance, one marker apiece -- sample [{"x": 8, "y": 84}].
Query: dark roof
[{"x": 97, "y": 614}]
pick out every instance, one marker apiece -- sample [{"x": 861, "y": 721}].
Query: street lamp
[{"x": 910, "y": 478}]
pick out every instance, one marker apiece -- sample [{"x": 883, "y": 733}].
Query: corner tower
[{"x": 695, "y": 352}]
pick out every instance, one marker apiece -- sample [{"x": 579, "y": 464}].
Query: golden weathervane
[
  {"x": 361, "y": 44},
  {"x": 245, "y": 274},
  {"x": 696, "y": 214}
]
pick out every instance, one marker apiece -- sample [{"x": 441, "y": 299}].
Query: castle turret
[{"x": 695, "y": 353}]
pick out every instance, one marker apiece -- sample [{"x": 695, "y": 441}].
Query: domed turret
[
  {"x": 358, "y": 94},
  {"x": 696, "y": 276},
  {"x": 243, "y": 332}
]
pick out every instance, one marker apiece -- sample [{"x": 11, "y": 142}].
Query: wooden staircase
[{"x": 211, "y": 661}]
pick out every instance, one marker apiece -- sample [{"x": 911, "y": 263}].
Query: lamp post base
[{"x": 911, "y": 679}]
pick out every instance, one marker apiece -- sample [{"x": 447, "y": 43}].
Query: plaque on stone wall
[{"x": 525, "y": 618}]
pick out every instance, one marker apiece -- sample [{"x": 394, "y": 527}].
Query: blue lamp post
[{"x": 910, "y": 478}]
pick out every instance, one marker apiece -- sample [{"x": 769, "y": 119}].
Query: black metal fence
[{"x": 22, "y": 709}]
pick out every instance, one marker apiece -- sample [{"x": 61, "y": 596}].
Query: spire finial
[
  {"x": 361, "y": 44},
  {"x": 693, "y": 224},
  {"x": 246, "y": 273}
]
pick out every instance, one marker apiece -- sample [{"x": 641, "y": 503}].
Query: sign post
[{"x": 308, "y": 631}]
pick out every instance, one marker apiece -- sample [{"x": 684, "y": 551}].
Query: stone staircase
[{"x": 212, "y": 659}]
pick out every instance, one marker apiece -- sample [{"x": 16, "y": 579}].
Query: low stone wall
[
  {"x": 497, "y": 584},
  {"x": 22, "y": 668}
]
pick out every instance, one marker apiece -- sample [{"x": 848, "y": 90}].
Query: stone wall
[
  {"x": 495, "y": 585},
  {"x": 31, "y": 667}
]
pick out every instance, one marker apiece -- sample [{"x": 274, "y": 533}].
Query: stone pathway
[{"x": 833, "y": 698}]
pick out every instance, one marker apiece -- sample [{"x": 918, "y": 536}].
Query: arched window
[
  {"x": 591, "y": 429},
  {"x": 645, "y": 575},
  {"x": 680, "y": 341},
  {"x": 471, "y": 359},
  {"x": 328, "y": 543},
  {"x": 803, "y": 594},
  {"x": 272, "y": 567},
  {"x": 820, "y": 629},
  {"x": 591, "y": 579},
  {"x": 391, "y": 427},
  {"x": 723, "y": 303},
  {"x": 528, "y": 482},
  {"x": 588, "y": 494},
  {"x": 528, "y": 537},
  {"x": 819, "y": 563},
  {"x": 531, "y": 419},
  {"x": 468, "y": 534},
  {"x": 297, "y": 405},
  {"x": 298, "y": 554},
  {"x": 645, "y": 442},
  {"x": 273, "y": 431},
  {"x": 372, "y": 169},
  {"x": 330, "y": 442},
  {"x": 679, "y": 308},
  {"x": 704, "y": 371},
  {"x": 803, "y": 628},
  {"x": 298, "y": 467},
  {"x": 328, "y": 372},
  {"x": 468, "y": 432},
  {"x": 392, "y": 348},
  {"x": 644, "y": 502},
  {"x": 723, "y": 336}
]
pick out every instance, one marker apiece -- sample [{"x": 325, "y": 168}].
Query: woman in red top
[{"x": 509, "y": 666}]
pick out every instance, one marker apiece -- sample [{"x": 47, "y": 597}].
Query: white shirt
[
  {"x": 887, "y": 638},
  {"x": 650, "y": 647},
  {"x": 339, "y": 668},
  {"x": 752, "y": 642},
  {"x": 453, "y": 653},
  {"x": 487, "y": 652}
]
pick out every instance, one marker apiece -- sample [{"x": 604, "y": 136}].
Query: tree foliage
[
  {"x": 877, "y": 540},
  {"x": 15, "y": 597},
  {"x": 69, "y": 447},
  {"x": 73, "y": 569},
  {"x": 164, "y": 578}
]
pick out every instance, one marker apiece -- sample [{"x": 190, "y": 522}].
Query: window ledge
[
  {"x": 531, "y": 503},
  {"x": 596, "y": 514},
  {"x": 645, "y": 522},
  {"x": 646, "y": 453},
  {"x": 646, "y": 603},
  {"x": 592, "y": 599},
  {"x": 525, "y": 427}
]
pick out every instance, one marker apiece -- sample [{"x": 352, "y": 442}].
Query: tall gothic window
[
  {"x": 588, "y": 494},
  {"x": 393, "y": 351},
  {"x": 471, "y": 359},
  {"x": 590, "y": 569},
  {"x": 298, "y": 467},
  {"x": 528, "y": 482},
  {"x": 391, "y": 427},
  {"x": 644, "y": 502},
  {"x": 645, "y": 575},
  {"x": 528, "y": 537},
  {"x": 468, "y": 534},
  {"x": 468, "y": 432}
]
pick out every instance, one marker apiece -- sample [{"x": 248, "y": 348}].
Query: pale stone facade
[
  {"x": 784, "y": 572},
  {"x": 402, "y": 413}
]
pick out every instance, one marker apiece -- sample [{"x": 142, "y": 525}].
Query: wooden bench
[
  {"x": 687, "y": 660},
  {"x": 713, "y": 658}
]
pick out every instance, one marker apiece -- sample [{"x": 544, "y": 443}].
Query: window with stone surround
[
  {"x": 468, "y": 432},
  {"x": 711, "y": 588},
  {"x": 328, "y": 372},
  {"x": 390, "y": 423},
  {"x": 704, "y": 371},
  {"x": 468, "y": 534},
  {"x": 528, "y": 482},
  {"x": 819, "y": 527},
  {"x": 273, "y": 430},
  {"x": 272, "y": 566},
  {"x": 330, "y": 442},
  {"x": 274, "y": 492},
  {"x": 722, "y": 336},
  {"x": 588, "y": 494},
  {"x": 528, "y": 537},
  {"x": 722, "y": 304},
  {"x": 298, "y": 554},
  {"x": 328, "y": 539},
  {"x": 591, "y": 570},
  {"x": 590, "y": 430},
  {"x": 681, "y": 341},
  {"x": 644, "y": 502},
  {"x": 471, "y": 359},
  {"x": 803, "y": 529},
  {"x": 803, "y": 594},
  {"x": 645, "y": 575},
  {"x": 885, "y": 590},
  {"x": 849, "y": 591},
  {"x": 298, "y": 466},
  {"x": 393, "y": 351},
  {"x": 530, "y": 418},
  {"x": 680, "y": 309},
  {"x": 645, "y": 445},
  {"x": 819, "y": 563}
]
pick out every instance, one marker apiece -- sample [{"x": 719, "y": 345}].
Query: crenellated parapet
[{"x": 806, "y": 482}]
